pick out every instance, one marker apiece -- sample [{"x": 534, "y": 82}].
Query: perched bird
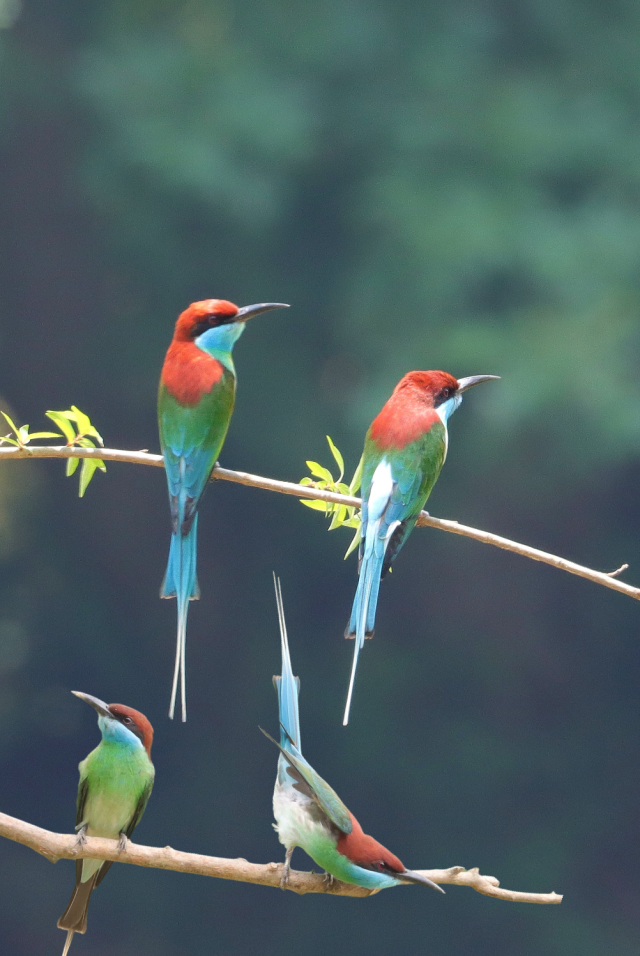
[
  {"x": 195, "y": 404},
  {"x": 115, "y": 782},
  {"x": 311, "y": 815},
  {"x": 404, "y": 451}
]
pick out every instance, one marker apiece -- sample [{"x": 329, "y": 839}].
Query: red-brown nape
[
  {"x": 364, "y": 851},
  {"x": 202, "y": 315},
  {"x": 411, "y": 410},
  {"x": 136, "y": 722},
  {"x": 189, "y": 373}
]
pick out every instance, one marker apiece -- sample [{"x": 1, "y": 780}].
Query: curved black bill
[
  {"x": 99, "y": 705},
  {"x": 250, "y": 311},
  {"x": 412, "y": 877},
  {"x": 471, "y": 380}
]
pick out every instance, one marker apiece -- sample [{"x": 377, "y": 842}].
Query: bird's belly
[
  {"x": 299, "y": 821},
  {"x": 107, "y": 815}
]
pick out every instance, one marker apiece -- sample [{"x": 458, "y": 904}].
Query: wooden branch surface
[
  {"x": 607, "y": 579},
  {"x": 62, "y": 846}
]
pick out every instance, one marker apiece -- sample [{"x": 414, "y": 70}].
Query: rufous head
[
  {"x": 364, "y": 851},
  {"x": 210, "y": 313},
  {"x": 437, "y": 387},
  {"x": 135, "y": 722}
]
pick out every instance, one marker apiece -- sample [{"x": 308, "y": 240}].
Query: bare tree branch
[
  {"x": 607, "y": 579},
  {"x": 62, "y": 846}
]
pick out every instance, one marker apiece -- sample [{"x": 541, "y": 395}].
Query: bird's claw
[
  {"x": 122, "y": 842},
  {"x": 328, "y": 880},
  {"x": 81, "y": 838},
  {"x": 284, "y": 876}
]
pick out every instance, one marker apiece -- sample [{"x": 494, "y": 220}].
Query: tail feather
[
  {"x": 363, "y": 613},
  {"x": 74, "y": 918},
  {"x": 180, "y": 581},
  {"x": 287, "y": 685}
]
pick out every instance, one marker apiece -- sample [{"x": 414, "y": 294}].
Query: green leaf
[
  {"x": 357, "y": 477},
  {"x": 84, "y": 424},
  {"x": 61, "y": 419},
  {"x": 339, "y": 516},
  {"x": 72, "y": 464},
  {"x": 10, "y": 441},
  {"x": 23, "y": 435},
  {"x": 338, "y": 457},
  {"x": 45, "y": 435},
  {"x": 83, "y": 421},
  {"x": 15, "y": 430},
  {"x": 353, "y": 522},
  {"x": 319, "y": 471},
  {"x": 87, "y": 471},
  {"x": 354, "y": 543},
  {"x": 313, "y": 503}
]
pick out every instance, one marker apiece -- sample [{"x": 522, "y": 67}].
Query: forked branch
[
  {"x": 62, "y": 846},
  {"x": 607, "y": 579}
]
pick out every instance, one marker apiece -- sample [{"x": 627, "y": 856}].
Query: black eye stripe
[{"x": 211, "y": 322}]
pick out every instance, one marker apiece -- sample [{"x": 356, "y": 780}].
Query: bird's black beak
[
  {"x": 412, "y": 877},
  {"x": 471, "y": 380},
  {"x": 99, "y": 705},
  {"x": 250, "y": 311}
]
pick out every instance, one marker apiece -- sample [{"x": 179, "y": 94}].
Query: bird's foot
[
  {"x": 328, "y": 880},
  {"x": 122, "y": 842},
  {"x": 81, "y": 838},
  {"x": 286, "y": 868}
]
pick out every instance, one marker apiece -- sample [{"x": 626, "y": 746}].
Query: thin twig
[
  {"x": 62, "y": 846},
  {"x": 607, "y": 579}
]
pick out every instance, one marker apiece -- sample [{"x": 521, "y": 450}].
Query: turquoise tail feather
[
  {"x": 180, "y": 581},
  {"x": 287, "y": 685},
  {"x": 363, "y": 613}
]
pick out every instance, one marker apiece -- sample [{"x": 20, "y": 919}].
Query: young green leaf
[
  {"x": 354, "y": 543},
  {"x": 89, "y": 466},
  {"x": 315, "y": 504},
  {"x": 357, "y": 477},
  {"x": 45, "y": 435},
  {"x": 72, "y": 464},
  {"x": 13, "y": 427},
  {"x": 338, "y": 457},
  {"x": 319, "y": 471},
  {"x": 61, "y": 419}
]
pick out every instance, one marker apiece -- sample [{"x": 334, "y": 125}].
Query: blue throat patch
[
  {"x": 448, "y": 408},
  {"x": 219, "y": 342},
  {"x": 115, "y": 732}
]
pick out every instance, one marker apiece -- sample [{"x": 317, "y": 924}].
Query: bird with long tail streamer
[
  {"x": 311, "y": 815},
  {"x": 115, "y": 783},
  {"x": 404, "y": 451},
  {"x": 195, "y": 403}
]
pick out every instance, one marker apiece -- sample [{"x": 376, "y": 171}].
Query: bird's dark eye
[
  {"x": 127, "y": 720},
  {"x": 443, "y": 395}
]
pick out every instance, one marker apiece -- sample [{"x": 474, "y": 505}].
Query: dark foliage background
[{"x": 430, "y": 186}]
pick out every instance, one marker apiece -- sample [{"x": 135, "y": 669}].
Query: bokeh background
[{"x": 429, "y": 185}]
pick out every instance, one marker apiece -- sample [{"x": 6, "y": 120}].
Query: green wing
[{"x": 317, "y": 788}]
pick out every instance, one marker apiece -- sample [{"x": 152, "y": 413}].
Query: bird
[
  {"x": 404, "y": 451},
  {"x": 311, "y": 815},
  {"x": 116, "y": 780},
  {"x": 195, "y": 402}
]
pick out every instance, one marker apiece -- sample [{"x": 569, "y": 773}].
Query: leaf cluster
[
  {"x": 347, "y": 516},
  {"x": 76, "y": 427}
]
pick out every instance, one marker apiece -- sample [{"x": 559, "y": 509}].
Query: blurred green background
[{"x": 429, "y": 185}]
